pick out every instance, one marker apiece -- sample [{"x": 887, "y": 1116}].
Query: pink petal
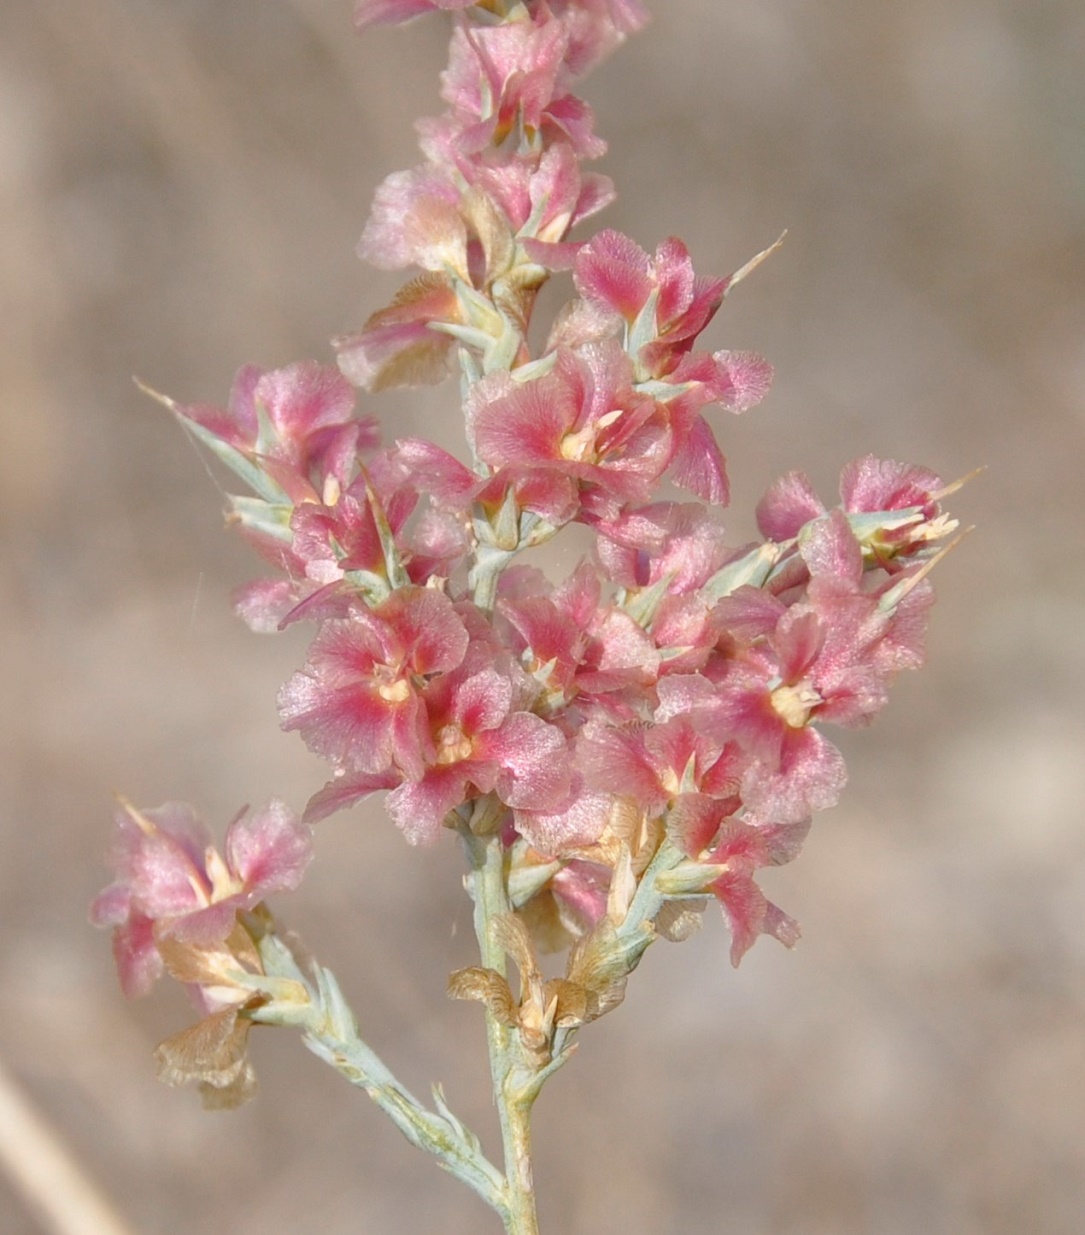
[
  {"x": 742, "y": 380},
  {"x": 139, "y": 965},
  {"x": 788, "y": 506},
  {"x": 345, "y": 791},
  {"x": 303, "y": 398},
  {"x": 419, "y": 808},
  {"x": 270, "y": 849},
  {"x": 809, "y": 778},
  {"x": 830, "y": 548},
  {"x": 263, "y": 605},
  {"x": 426, "y": 627},
  {"x": 613, "y": 270},
  {"x": 534, "y": 760},
  {"x": 699, "y": 465},
  {"x": 415, "y": 219},
  {"x": 871, "y": 484},
  {"x": 575, "y": 825}
]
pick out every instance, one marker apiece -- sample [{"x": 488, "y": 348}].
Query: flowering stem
[{"x": 514, "y": 1091}]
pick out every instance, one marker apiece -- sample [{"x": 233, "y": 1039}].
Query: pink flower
[
  {"x": 828, "y": 657},
  {"x": 542, "y": 196},
  {"x": 359, "y": 700},
  {"x": 506, "y": 75},
  {"x": 679, "y": 545},
  {"x": 581, "y": 420},
  {"x": 664, "y": 306},
  {"x": 482, "y": 743},
  {"x": 296, "y": 425},
  {"x": 868, "y": 486},
  {"x": 438, "y": 737},
  {"x": 576, "y": 647},
  {"x": 660, "y": 764},
  {"x": 364, "y": 539},
  {"x": 614, "y": 271},
  {"x": 744, "y": 848},
  {"x": 172, "y": 881}
]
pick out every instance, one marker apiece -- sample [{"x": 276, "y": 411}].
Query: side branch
[{"x": 330, "y": 1031}]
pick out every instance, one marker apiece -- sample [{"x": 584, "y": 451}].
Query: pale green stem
[
  {"x": 514, "y": 1090},
  {"x": 484, "y": 576},
  {"x": 331, "y": 1032},
  {"x": 635, "y": 931}
]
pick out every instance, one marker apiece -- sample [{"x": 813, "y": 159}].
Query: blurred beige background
[{"x": 181, "y": 186}]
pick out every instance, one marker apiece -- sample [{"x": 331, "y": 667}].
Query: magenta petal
[
  {"x": 419, "y": 808},
  {"x": 534, "y": 759},
  {"x": 699, "y": 465},
  {"x": 345, "y": 791},
  {"x": 614, "y": 271},
  {"x": 270, "y": 849},
  {"x": 830, "y": 548},
  {"x": 809, "y": 778},
  {"x": 575, "y": 825},
  {"x": 139, "y": 965},
  {"x": 788, "y": 506},
  {"x": 482, "y": 701}
]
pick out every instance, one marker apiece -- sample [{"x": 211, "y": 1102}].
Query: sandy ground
[{"x": 181, "y": 186}]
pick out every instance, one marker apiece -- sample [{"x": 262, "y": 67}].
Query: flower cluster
[
  {"x": 182, "y": 907},
  {"x": 671, "y": 692}
]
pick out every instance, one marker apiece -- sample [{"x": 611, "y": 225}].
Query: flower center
[
  {"x": 793, "y": 704},
  {"x": 581, "y": 447},
  {"x": 223, "y": 884},
  {"x": 453, "y": 745},
  {"x": 398, "y": 691}
]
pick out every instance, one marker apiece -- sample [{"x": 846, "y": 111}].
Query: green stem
[{"x": 514, "y": 1092}]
